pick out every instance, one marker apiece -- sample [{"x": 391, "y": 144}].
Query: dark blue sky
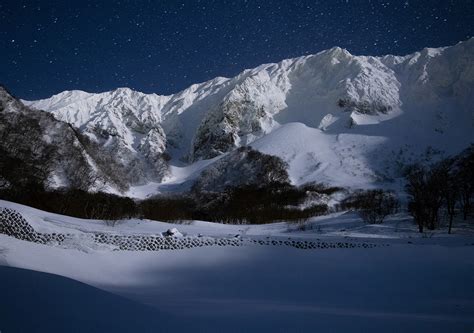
[{"x": 164, "y": 46}]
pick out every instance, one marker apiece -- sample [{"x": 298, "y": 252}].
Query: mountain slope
[
  {"x": 369, "y": 114},
  {"x": 38, "y": 149},
  {"x": 122, "y": 121}
]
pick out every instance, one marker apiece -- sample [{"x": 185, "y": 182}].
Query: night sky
[{"x": 164, "y": 46}]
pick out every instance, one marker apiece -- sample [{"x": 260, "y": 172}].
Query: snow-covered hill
[{"x": 333, "y": 116}]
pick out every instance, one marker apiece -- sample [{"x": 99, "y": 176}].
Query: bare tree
[
  {"x": 465, "y": 180},
  {"x": 426, "y": 195},
  {"x": 373, "y": 205},
  {"x": 450, "y": 190}
]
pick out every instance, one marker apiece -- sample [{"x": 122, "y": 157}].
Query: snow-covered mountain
[
  {"x": 333, "y": 117},
  {"x": 36, "y": 148}
]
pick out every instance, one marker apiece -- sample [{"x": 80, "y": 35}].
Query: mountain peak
[
  {"x": 357, "y": 109},
  {"x": 123, "y": 91},
  {"x": 338, "y": 51}
]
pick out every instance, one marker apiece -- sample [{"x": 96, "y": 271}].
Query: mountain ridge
[
  {"x": 427, "y": 94},
  {"x": 386, "y": 58}
]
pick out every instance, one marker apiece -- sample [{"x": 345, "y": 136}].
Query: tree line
[{"x": 246, "y": 204}]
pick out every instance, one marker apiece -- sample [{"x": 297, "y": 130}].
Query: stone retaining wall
[{"x": 13, "y": 224}]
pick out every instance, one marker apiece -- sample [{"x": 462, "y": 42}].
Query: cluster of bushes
[
  {"x": 74, "y": 202},
  {"x": 256, "y": 205},
  {"x": 168, "y": 208},
  {"x": 364, "y": 107},
  {"x": 373, "y": 205},
  {"x": 248, "y": 204},
  {"x": 448, "y": 184}
]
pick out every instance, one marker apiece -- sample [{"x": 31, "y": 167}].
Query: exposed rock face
[
  {"x": 38, "y": 148},
  {"x": 124, "y": 122},
  {"x": 230, "y": 125},
  {"x": 431, "y": 91}
]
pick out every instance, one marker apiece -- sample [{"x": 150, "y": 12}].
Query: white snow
[
  {"x": 409, "y": 282},
  {"x": 429, "y": 96},
  {"x": 313, "y": 155},
  {"x": 416, "y": 284}
]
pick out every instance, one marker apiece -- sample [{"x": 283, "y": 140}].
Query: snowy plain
[{"x": 412, "y": 283}]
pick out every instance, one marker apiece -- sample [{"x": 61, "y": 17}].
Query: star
[{"x": 173, "y": 44}]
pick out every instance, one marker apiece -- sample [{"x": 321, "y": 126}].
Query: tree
[
  {"x": 465, "y": 179},
  {"x": 373, "y": 205},
  {"x": 426, "y": 195},
  {"x": 450, "y": 188}
]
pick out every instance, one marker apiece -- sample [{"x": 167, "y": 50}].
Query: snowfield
[
  {"x": 407, "y": 282},
  {"x": 333, "y": 116}
]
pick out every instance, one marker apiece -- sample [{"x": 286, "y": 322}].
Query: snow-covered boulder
[{"x": 173, "y": 232}]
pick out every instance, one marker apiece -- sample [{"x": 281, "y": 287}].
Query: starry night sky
[{"x": 164, "y": 46}]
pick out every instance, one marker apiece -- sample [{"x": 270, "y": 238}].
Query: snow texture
[
  {"x": 332, "y": 116},
  {"x": 416, "y": 284}
]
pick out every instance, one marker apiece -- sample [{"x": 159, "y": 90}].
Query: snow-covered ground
[{"x": 412, "y": 283}]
